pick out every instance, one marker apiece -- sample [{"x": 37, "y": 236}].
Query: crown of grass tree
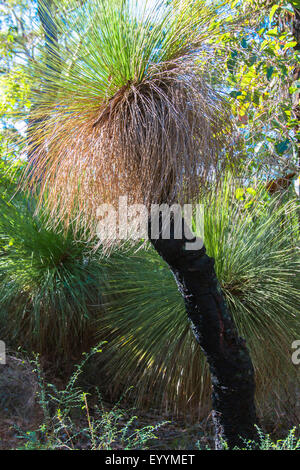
[{"x": 121, "y": 106}]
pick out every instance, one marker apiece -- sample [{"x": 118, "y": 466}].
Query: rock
[{"x": 18, "y": 388}]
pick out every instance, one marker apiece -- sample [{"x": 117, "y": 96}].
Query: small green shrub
[
  {"x": 290, "y": 442},
  {"x": 99, "y": 429},
  {"x": 71, "y": 423}
]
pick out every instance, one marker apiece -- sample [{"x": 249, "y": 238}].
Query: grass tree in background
[
  {"x": 50, "y": 285},
  {"x": 123, "y": 110}
]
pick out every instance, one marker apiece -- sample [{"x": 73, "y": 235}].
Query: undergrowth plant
[
  {"x": 265, "y": 442},
  {"x": 70, "y": 422},
  {"x": 96, "y": 427}
]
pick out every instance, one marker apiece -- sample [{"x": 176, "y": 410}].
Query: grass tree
[{"x": 124, "y": 107}]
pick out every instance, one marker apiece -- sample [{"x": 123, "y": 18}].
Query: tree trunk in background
[
  {"x": 296, "y": 33},
  {"x": 232, "y": 372}
]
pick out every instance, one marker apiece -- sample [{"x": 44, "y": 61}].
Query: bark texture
[{"x": 232, "y": 372}]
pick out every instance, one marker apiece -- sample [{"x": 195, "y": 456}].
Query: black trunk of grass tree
[{"x": 232, "y": 373}]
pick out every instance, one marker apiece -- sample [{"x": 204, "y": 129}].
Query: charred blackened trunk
[{"x": 230, "y": 365}]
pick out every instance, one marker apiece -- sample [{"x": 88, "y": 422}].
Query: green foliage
[
  {"x": 102, "y": 430},
  {"x": 121, "y": 42},
  {"x": 290, "y": 442},
  {"x": 253, "y": 240},
  {"x": 50, "y": 284},
  {"x": 18, "y": 42},
  {"x": 99, "y": 428},
  {"x": 10, "y": 171},
  {"x": 260, "y": 60}
]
